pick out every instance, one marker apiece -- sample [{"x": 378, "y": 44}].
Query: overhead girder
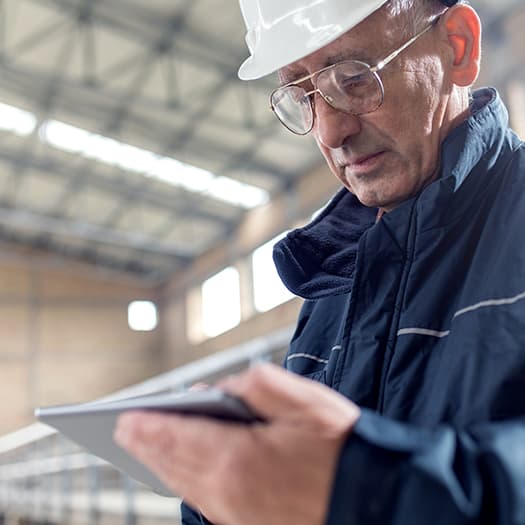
[
  {"x": 74, "y": 228},
  {"x": 119, "y": 187},
  {"x": 192, "y": 118},
  {"x": 133, "y": 267},
  {"x": 143, "y": 25},
  {"x": 88, "y": 108},
  {"x": 19, "y": 79}
]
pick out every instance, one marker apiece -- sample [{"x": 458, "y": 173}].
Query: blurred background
[{"x": 142, "y": 187}]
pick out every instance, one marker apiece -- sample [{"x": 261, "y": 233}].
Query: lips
[
  {"x": 364, "y": 165},
  {"x": 365, "y": 159}
]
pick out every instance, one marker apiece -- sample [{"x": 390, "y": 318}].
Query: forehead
[{"x": 365, "y": 42}]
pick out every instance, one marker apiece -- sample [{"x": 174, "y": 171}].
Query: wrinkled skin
[{"x": 419, "y": 109}]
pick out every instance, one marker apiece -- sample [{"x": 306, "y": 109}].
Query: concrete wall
[{"x": 64, "y": 338}]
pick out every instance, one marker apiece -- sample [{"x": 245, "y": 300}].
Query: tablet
[{"x": 91, "y": 425}]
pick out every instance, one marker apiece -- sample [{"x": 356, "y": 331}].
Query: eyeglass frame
[{"x": 372, "y": 69}]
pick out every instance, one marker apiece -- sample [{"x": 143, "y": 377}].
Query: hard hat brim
[{"x": 290, "y": 40}]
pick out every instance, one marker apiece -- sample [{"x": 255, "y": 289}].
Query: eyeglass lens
[
  {"x": 348, "y": 86},
  {"x": 293, "y": 108}
]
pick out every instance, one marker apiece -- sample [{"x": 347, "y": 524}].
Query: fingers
[
  {"x": 277, "y": 394},
  {"x": 193, "y": 456},
  {"x": 170, "y": 436},
  {"x": 176, "y": 448},
  {"x": 228, "y": 469}
]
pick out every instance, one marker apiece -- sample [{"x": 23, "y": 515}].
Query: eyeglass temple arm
[{"x": 381, "y": 64}]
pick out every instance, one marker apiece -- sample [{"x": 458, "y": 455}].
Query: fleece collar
[{"x": 319, "y": 259}]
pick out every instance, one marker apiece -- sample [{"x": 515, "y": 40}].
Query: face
[{"x": 387, "y": 156}]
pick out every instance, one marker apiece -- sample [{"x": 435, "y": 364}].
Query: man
[{"x": 414, "y": 280}]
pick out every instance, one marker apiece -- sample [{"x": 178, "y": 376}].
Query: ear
[{"x": 463, "y": 29}]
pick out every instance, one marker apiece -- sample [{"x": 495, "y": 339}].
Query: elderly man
[{"x": 414, "y": 280}]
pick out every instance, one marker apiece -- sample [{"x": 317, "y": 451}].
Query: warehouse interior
[{"x": 142, "y": 186}]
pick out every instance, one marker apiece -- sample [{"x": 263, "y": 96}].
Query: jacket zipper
[{"x": 394, "y": 326}]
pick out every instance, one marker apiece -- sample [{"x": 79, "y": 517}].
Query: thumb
[{"x": 275, "y": 393}]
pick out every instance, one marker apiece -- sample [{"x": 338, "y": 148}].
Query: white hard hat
[{"x": 283, "y": 31}]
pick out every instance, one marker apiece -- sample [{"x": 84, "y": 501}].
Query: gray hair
[{"x": 414, "y": 14}]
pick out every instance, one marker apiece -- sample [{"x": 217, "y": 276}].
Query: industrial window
[
  {"x": 268, "y": 290},
  {"x": 142, "y": 316},
  {"x": 221, "y": 303}
]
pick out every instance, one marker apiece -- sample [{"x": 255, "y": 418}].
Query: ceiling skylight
[
  {"x": 237, "y": 193},
  {"x": 16, "y": 120},
  {"x": 109, "y": 151},
  {"x": 174, "y": 172}
]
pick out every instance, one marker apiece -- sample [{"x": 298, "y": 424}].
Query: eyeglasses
[{"x": 350, "y": 86}]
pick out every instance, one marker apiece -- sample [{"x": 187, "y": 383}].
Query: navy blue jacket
[{"x": 419, "y": 318}]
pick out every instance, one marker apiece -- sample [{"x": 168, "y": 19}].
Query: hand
[{"x": 277, "y": 472}]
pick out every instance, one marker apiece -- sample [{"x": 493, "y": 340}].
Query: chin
[
  {"x": 387, "y": 200},
  {"x": 370, "y": 199}
]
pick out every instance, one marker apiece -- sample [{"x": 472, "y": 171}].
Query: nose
[{"x": 333, "y": 127}]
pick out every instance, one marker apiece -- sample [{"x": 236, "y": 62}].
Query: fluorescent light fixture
[
  {"x": 64, "y": 137},
  {"x": 188, "y": 177},
  {"x": 102, "y": 149},
  {"x": 166, "y": 169},
  {"x": 237, "y": 193},
  {"x": 142, "y": 316},
  {"x": 136, "y": 159},
  {"x": 16, "y": 120}
]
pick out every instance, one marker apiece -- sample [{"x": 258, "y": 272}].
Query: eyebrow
[{"x": 354, "y": 54}]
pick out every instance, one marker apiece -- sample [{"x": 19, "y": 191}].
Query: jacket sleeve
[
  {"x": 189, "y": 516},
  {"x": 393, "y": 473}
]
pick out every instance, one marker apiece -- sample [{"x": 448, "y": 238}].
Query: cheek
[
  {"x": 409, "y": 117},
  {"x": 413, "y": 97}
]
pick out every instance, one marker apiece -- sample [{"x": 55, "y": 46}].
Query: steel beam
[{"x": 42, "y": 224}]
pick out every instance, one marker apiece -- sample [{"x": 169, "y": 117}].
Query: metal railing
[{"x": 46, "y": 478}]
